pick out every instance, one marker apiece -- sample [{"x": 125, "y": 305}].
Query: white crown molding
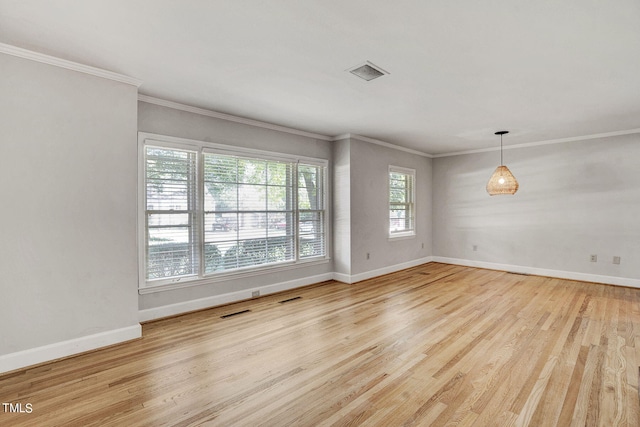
[
  {"x": 228, "y": 117},
  {"x": 251, "y": 122},
  {"x": 378, "y": 142},
  {"x": 547, "y": 142},
  {"x": 340, "y": 137},
  {"x": 69, "y": 65}
]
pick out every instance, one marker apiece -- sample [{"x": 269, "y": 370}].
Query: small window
[{"x": 401, "y": 202}]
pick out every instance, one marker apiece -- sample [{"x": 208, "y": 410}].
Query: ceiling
[{"x": 458, "y": 70}]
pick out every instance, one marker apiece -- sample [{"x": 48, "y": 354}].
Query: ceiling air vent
[{"x": 367, "y": 71}]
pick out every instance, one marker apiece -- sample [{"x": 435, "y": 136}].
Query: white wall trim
[
  {"x": 378, "y": 142},
  {"x": 14, "y": 361},
  {"x": 538, "y": 143},
  {"x": 216, "y": 300},
  {"x": 266, "y": 125},
  {"x": 228, "y": 117},
  {"x": 245, "y": 294},
  {"x": 595, "y": 278},
  {"x": 346, "y": 278},
  {"x": 342, "y": 277},
  {"x": 33, "y": 356},
  {"x": 69, "y": 65}
]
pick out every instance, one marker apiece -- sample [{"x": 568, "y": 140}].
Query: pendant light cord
[{"x": 501, "y": 164}]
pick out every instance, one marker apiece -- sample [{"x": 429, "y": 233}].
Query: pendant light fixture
[{"x": 502, "y": 181}]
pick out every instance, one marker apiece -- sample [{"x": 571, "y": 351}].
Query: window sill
[
  {"x": 220, "y": 277},
  {"x": 402, "y": 236}
]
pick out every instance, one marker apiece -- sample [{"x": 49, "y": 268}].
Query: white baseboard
[
  {"x": 345, "y": 278},
  {"x": 33, "y": 356},
  {"x": 215, "y": 300},
  {"x": 341, "y": 277},
  {"x": 21, "y": 359},
  {"x": 609, "y": 280}
]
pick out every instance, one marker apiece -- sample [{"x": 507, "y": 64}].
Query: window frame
[
  {"x": 410, "y": 204},
  {"x": 192, "y": 210},
  {"x": 202, "y": 148}
]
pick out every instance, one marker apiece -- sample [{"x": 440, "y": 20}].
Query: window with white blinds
[
  {"x": 171, "y": 213},
  {"x": 401, "y": 201},
  {"x": 249, "y": 212},
  {"x": 311, "y": 211},
  {"x": 210, "y": 212}
]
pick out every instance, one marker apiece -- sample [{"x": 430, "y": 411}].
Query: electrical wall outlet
[
  {"x": 594, "y": 258},
  {"x": 255, "y": 294},
  {"x": 475, "y": 248},
  {"x": 616, "y": 260},
  {"x": 368, "y": 255}
]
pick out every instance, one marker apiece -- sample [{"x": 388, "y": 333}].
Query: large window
[
  {"x": 401, "y": 202},
  {"x": 210, "y": 211}
]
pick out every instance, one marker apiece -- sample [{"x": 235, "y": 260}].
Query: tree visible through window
[
  {"x": 170, "y": 177},
  {"x": 210, "y": 212},
  {"x": 248, "y": 213},
  {"x": 401, "y": 201}
]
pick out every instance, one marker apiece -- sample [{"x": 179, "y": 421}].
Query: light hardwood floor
[{"x": 432, "y": 345}]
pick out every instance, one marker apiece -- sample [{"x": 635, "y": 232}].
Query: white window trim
[
  {"x": 409, "y": 234},
  {"x": 156, "y": 140}
]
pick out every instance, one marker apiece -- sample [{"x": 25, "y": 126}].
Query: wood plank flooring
[{"x": 433, "y": 345}]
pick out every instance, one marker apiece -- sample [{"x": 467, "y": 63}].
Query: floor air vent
[
  {"x": 289, "y": 300},
  {"x": 234, "y": 314}
]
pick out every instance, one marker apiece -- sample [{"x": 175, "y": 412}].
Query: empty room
[{"x": 319, "y": 213}]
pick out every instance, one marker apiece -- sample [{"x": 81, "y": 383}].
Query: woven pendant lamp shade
[{"x": 502, "y": 181}]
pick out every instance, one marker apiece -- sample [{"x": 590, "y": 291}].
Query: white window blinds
[
  {"x": 208, "y": 212},
  {"x": 401, "y": 201},
  {"x": 248, "y": 213},
  {"x": 171, "y": 213}
]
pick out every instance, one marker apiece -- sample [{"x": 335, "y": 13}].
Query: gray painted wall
[
  {"x": 370, "y": 207},
  {"x": 68, "y": 174},
  {"x": 342, "y": 206},
  {"x": 68, "y": 162},
  {"x": 575, "y": 199},
  {"x": 167, "y": 121},
  {"x": 364, "y": 170}
]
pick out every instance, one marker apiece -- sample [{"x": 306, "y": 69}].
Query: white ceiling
[{"x": 459, "y": 70}]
